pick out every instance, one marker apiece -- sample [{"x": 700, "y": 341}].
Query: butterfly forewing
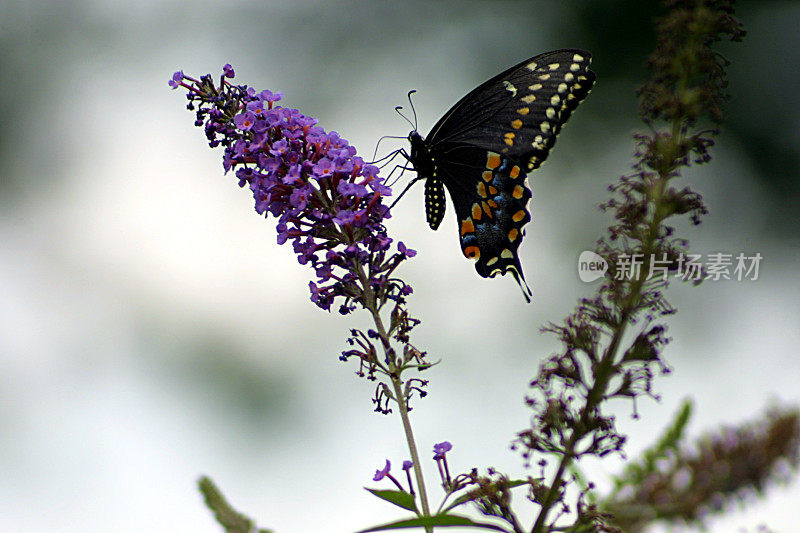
[{"x": 520, "y": 111}]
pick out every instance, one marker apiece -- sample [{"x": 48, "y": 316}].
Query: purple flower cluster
[{"x": 328, "y": 201}]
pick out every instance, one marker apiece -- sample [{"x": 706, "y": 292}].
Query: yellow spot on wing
[
  {"x": 510, "y": 88},
  {"x": 524, "y": 110},
  {"x": 516, "y": 124}
]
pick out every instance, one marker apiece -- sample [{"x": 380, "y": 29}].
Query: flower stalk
[
  {"x": 330, "y": 204},
  {"x": 597, "y": 364}
]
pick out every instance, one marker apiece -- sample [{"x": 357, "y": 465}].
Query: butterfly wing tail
[{"x": 523, "y": 285}]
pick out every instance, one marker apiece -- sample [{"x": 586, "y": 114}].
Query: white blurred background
[{"x": 151, "y": 330}]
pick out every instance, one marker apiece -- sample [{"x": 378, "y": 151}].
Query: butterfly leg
[
  {"x": 388, "y": 158},
  {"x": 407, "y": 187}
]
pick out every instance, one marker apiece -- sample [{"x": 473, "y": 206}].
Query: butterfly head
[
  {"x": 420, "y": 157},
  {"x": 417, "y": 144}
]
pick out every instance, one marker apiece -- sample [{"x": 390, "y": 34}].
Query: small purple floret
[
  {"x": 380, "y": 474},
  {"x": 440, "y": 449},
  {"x": 176, "y": 80}
]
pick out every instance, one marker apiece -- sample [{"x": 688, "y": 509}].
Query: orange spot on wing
[
  {"x": 513, "y": 234},
  {"x": 467, "y": 226},
  {"x": 518, "y": 192},
  {"x": 493, "y": 161},
  {"x": 476, "y": 212},
  {"x": 516, "y": 124},
  {"x": 481, "y": 189},
  {"x": 472, "y": 252},
  {"x": 487, "y": 209},
  {"x": 488, "y": 175},
  {"x": 514, "y": 171},
  {"x": 519, "y": 215}
]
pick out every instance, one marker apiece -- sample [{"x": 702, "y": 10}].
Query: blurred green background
[{"x": 151, "y": 329}]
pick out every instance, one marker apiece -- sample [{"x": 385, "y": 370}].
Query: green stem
[{"x": 397, "y": 385}]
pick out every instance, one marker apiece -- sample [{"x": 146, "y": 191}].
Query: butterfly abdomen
[{"x": 425, "y": 167}]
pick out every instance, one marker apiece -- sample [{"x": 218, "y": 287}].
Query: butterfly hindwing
[
  {"x": 490, "y": 211},
  {"x": 482, "y": 149}
]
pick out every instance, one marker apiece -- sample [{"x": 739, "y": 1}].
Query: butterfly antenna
[
  {"x": 412, "y": 91},
  {"x": 397, "y": 109}
]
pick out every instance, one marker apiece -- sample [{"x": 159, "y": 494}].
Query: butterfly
[{"x": 482, "y": 149}]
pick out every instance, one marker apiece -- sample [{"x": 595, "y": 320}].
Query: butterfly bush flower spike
[
  {"x": 330, "y": 205},
  {"x": 326, "y": 200}
]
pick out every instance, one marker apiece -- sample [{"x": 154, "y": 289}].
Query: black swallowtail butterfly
[{"x": 482, "y": 149}]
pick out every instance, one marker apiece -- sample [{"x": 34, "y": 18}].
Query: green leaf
[
  {"x": 229, "y": 518},
  {"x": 441, "y": 520},
  {"x": 638, "y": 469},
  {"x": 397, "y": 497}
]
